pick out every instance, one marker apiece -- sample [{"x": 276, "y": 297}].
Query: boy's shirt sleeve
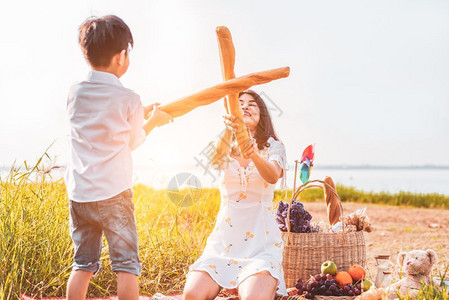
[{"x": 136, "y": 117}]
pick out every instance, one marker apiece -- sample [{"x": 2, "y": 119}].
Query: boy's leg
[
  {"x": 77, "y": 285},
  {"x": 119, "y": 225},
  {"x": 86, "y": 236},
  {"x": 127, "y": 286}
]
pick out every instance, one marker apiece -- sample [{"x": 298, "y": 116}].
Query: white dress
[{"x": 246, "y": 239}]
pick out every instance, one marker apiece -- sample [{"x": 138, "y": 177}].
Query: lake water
[
  {"x": 390, "y": 180},
  {"x": 393, "y": 180},
  {"x": 415, "y": 180}
]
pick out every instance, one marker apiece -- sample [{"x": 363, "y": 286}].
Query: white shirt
[{"x": 106, "y": 124}]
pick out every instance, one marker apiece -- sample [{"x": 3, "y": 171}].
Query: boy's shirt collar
[{"x": 103, "y": 77}]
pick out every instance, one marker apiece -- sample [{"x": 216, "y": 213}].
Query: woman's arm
[{"x": 270, "y": 171}]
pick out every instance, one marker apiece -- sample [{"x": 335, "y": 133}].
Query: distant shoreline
[
  {"x": 376, "y": 167},
  {"x": 423, "y": 179}
]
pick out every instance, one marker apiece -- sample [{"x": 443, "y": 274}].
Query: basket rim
[{"x": 316, "y": 183}]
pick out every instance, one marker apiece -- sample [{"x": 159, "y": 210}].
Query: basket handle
[{"x": 308, "y": 185}]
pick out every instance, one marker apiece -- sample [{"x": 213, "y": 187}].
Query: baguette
[
  {"x": 333, "y": 203},
  {"x": 232, "y": 104},
  {"x": 209, "y": 95},
  {"x": 227, "y": 55}
]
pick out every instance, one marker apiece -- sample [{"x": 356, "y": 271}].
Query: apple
[
  {"x": 366, "y": 284},
  {"x": 329, "y": 267}
]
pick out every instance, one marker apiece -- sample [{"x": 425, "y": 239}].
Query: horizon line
[
  {"x": 368, "y": 166},
  {"x": 325, "y": 167}
]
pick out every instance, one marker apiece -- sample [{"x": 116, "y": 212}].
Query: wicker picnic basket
[{"x": 305, "y": 252}]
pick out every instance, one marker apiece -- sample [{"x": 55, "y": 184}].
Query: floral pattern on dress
[
  {"x": 213, "y": 267},
  {"x": 248, "y": 236},
  {"x": 242, "y": 196}
]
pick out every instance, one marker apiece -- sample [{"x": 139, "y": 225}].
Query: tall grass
[{"x": 36, "y": 249}]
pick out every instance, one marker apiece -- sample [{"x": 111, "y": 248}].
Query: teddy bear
[{"x": 416, "y": 267}]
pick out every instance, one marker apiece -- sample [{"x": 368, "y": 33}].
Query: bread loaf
[
  {"x": 232, "y": 104},
  {"x": 333, "y": 203},
  {"x": 207, "y": 96},
  {"x": 227, "y": 55}
]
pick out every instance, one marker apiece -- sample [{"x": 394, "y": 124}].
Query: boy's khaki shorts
[{"x": 114, "y": 217}]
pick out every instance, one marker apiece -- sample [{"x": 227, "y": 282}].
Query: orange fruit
[
  {"x": 343, "y": 278},
  {"x": 357, "y": 272}
]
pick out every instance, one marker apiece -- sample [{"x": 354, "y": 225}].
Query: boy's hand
[
  {"x": 159, "y": 117},
  {"x": 148, "y": 109}
]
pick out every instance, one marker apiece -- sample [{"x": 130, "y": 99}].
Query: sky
[{"x": 368, "y": 82}]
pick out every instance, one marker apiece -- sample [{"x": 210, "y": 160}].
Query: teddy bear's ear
[
  {"x": 433, "y": 257},
  {"x": 401, "y": 257}
]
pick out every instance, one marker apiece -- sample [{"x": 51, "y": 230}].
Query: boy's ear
[{"x": 121, "y": 58}]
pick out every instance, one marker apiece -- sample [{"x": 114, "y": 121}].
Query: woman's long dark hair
[{"x": 265, "y": 128}]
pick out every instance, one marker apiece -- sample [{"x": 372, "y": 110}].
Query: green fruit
[
  {"x": 366, "y": 284},
  {"x": 329, "y": 267}
]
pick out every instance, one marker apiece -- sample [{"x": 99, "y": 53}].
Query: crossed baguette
[
  {"x": 232, "y": 105},
  {"x": 209, "y": 95},
  {"x": 230, "y": 88}
]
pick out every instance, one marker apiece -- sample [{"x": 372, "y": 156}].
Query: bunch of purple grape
[
  {"x": 325, "y": 284},
  {"x": 299, "y": 218}
]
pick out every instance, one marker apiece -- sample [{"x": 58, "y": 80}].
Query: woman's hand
[
  {"x": 251, "y": 148},
  {"x": 230, "y": 123}
]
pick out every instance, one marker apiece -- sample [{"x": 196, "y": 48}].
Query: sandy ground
[{"x": 398, "y": 229}]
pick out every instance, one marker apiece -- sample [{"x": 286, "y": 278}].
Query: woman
[{"x": 244, "y": 251}]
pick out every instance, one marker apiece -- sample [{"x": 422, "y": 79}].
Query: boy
[{"x": 106, "y": 124}]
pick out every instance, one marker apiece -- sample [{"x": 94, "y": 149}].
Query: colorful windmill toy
[{"x": 306, "y": 163}]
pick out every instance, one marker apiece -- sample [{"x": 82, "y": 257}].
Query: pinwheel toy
[{"x": 306, "y": 163}]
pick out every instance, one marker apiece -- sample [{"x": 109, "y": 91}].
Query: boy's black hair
[{"x": 102, "y": 38}]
